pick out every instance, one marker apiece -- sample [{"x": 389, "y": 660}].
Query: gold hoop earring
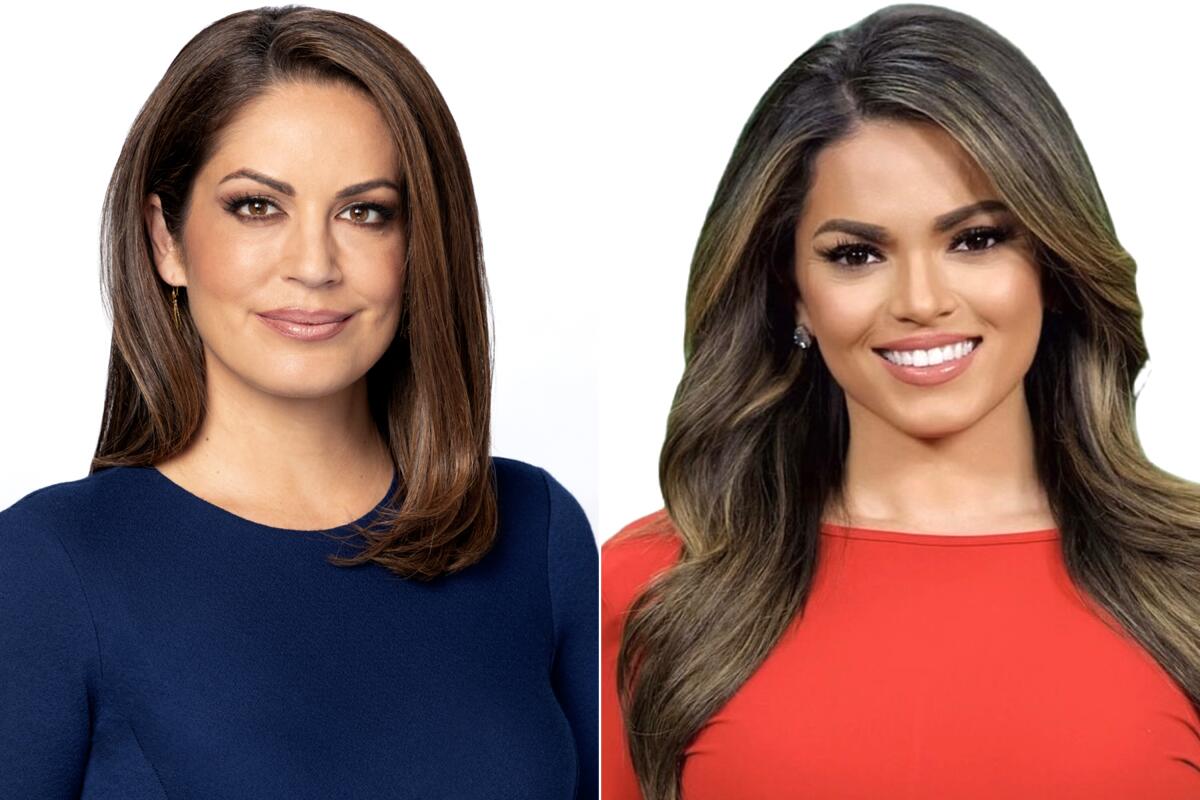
[{"x": 175, "y": 305}]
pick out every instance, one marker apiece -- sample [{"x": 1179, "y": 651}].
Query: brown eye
[
  {"x": 369, "y": 215},
  {"x": 849, "y": 255},
  {"x": 982, "y": 237},
  {"x": 361, "y": 214},
  {"x": 256, "y": 207}
]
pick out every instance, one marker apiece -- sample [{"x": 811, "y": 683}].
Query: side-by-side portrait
[{"x": 638, "y": 402}]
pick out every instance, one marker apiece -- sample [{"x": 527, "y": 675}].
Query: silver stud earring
[{"x": 801, "y": 337}]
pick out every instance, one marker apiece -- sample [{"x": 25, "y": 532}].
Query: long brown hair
[
  {"x": 430, "y": 393},
  {"x": 758, "y": 432}
]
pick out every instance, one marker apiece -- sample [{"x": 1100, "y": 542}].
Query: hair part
[
  {"x": 758, "y": 432},
  {"x": 429, "y": 394}
]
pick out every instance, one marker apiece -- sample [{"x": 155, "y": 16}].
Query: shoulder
[
  {"x": 60, "y": 507},
  {"x": 517, "y": 480},
  {"x": 31, "y": 536},
  {"x": 529, "y": 496},
  {"x": 526, "y": 485},
  {"x": 510, "y": 469},
  {"x": 554, "y": 533},
  {"x": 631, "y": 559},
  {"x": 85, "y": 521},
  {"x": 42, "y": 596},
  {"x": 70, "y": 509}
]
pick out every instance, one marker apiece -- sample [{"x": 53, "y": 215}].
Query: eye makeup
[
  {"x": 233, "y": 204},
  {"x": 846, "y": 248}
]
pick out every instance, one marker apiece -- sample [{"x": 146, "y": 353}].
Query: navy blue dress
[{"x": 154, "y": 645}]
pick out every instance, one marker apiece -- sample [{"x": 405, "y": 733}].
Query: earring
[
  {"x": 801, "y": 337},
  {"x": 175, "y": 305}
]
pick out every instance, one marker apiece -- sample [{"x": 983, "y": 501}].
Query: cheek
[
  {"x": 374, "y": 279},
  {"x": 844, "y": 313},
  {"x": 377, "y": 275},
  {"x": 1009, "y": 302},
  {"x": 224, "y": 272}
]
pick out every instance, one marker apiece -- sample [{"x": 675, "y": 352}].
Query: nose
[
  {"x": 313, "y": 256},
  {"x": 921, "y": 290}
]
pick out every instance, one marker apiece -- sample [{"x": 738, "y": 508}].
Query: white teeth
[{"x": 932, "y": 357}]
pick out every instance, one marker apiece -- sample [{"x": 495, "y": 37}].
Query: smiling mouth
[{"x": 976, "y": 343}]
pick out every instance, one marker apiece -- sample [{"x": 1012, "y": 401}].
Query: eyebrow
[
  {"x": 289, "y": 190},
  {"x": 877, "y": 234}
]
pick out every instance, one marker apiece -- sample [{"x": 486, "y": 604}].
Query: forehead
[
  {"x": 325, "y": 129},
  {"x": 890, "y": 172}
]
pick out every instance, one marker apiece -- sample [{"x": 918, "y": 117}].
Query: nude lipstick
[{"x": 304, "y": 325}]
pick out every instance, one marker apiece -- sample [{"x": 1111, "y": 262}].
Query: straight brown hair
[
  {"x": 758, "y": 432},
  {"x": 430, "y": 392}
]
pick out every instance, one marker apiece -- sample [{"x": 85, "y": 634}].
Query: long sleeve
[
  {"x": 573, "y": 566},
  {"x": 49, "y": 662},
  {"x": 155, "y": 645}
]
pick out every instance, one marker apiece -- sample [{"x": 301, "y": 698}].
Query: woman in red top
[{"x": 912, "y": 547}]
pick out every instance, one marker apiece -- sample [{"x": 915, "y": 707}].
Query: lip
[
  {"x": 925, "y": 341},
  {"x": 306, "y": 331},
  {"x": 302, "y": 316},
  {"x": 933, "y": 374}
]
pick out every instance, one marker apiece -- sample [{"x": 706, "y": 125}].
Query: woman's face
[
  {"x": 974, "y": 276},
  {"x": 296, "y": 210}
]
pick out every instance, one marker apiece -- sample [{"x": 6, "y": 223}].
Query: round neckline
[
  {"x": 940, "y": 539},
  {"x": 197, "y": 500}
]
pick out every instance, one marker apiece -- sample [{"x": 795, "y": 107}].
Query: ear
[
  {"x": 164, "y": 248},
  {"x": 802, "y": 314}
]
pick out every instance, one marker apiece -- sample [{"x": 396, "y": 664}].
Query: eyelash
[
  {"x": 386, "y": 213},
  {"x": 1001, "y": 233}
]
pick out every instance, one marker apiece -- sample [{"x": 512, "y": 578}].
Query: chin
[
  {"x": 933, "y": 425},
  {"x": 305, "y": 385}
]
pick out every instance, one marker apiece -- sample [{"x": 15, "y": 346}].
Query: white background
[{"x": 596, "y": 135}]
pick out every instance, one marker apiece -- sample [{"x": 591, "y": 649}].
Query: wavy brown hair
[
  {"x": 429, "y": 394},
  {"x": 758, "y": 432}
]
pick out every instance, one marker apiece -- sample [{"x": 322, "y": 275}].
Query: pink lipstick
[{"x": 931, "y": 374}]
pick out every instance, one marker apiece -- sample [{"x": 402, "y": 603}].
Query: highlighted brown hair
[{"x": 758, "y": 432}]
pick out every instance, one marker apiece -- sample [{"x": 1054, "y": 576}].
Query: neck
[
  {"x": 260, "y": 445},
  {"x": 978, "y": 478}
]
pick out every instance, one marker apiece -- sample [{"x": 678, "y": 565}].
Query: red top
[{"x": 924, "y": 666}]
